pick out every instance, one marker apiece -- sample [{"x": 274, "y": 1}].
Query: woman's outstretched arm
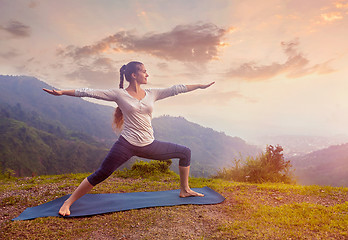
[
  {"x": 162, "y": 93},
  {"x": 107, "y": 95},
  {"x": 197, "y": 86},
  {"x": 60, "y": 92}
]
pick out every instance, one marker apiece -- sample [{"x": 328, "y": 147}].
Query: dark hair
[{"x": 125, "y": 71}]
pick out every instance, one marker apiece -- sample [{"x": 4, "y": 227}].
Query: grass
[
  {"x": 294, "y": 221},
  {"x": 250, "y": 211}
]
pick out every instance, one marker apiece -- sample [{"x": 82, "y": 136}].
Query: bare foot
[
  {"x": 64, "y": 209},
  {"x": 190, "y": 193}
]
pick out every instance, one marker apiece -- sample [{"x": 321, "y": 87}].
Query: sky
[{"x": 279, "y": 65}]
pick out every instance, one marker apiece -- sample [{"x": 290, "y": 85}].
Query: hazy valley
[{"x": 41, "y": 134}]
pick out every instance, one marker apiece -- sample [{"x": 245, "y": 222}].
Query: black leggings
[{"x": 122, "y": 151}]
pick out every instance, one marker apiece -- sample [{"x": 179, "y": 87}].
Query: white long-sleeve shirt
[{"x": 137, "y": 114}]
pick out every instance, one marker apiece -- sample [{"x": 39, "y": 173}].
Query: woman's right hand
[{"x": 53, "y": 92}]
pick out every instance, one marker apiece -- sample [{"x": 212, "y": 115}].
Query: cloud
[
  {"x": 342, "y": 4},
  {"x": 16, "y": 29},
  {"x": 33, "y": 4},
  {"x": 295, "y": 66},
  {"x": 94, "y": 78},
  {"x": 333, "y": 13},
  {"x": 186, "y": 43},
  {"x": 163, "y": 65},
  {"x": 103, "y": 62},
  {"x": 331, "y": 16},
  {"x": 13, "y": 53}
]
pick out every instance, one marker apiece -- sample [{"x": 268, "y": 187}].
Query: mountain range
[
  {"x": 42, "y": 134},
  {"x": 55, "y": 126},
  {"x": 73, "y": 113},
  {"x": 327, "y": 166}
]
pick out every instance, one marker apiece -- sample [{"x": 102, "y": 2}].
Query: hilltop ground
[{"x": 250, "y": 211}]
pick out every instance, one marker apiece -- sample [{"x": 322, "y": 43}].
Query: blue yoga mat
[{"x": 93, "y": 204}]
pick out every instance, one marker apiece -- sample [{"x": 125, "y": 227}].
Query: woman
[{"x": 133, "y": 117}]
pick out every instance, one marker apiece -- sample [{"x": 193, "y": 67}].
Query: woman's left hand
[
  {"x": 197, "y": 86},
  {"x": 207, "y": 85}
]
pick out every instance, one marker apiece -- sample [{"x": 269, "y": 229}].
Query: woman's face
[{"x": 141, "y": 75}]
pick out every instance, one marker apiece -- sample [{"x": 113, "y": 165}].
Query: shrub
[
  {"x": 146, "y": 169},
  {"x": 8, "y": 174},
  {"x": 267, "y": 167}
]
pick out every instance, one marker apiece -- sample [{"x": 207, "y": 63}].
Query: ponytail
[
  {"x": 122, "y": 73},
  {"x": 118, "y": 115}
]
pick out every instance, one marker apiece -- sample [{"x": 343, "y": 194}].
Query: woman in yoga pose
[{"x": 133, "y": 117}]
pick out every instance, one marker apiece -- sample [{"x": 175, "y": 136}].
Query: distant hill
[
  {"x": 30, "y": 151},
  {"x": 328, "y": 166},
  {"x": 74, "y": 113},
  {"x": 67, "y": 118},
  {"x": 211, "y": 150}
]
